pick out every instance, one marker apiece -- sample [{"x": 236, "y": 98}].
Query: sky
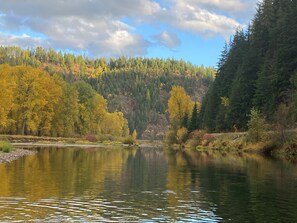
[{"x": 192, "y": 30}]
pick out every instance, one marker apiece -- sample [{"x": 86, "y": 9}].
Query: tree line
[
  {"x": 257, "y": 69},
  {"x": 36, "y": 103},
  {"x": 138, "y": 87}
]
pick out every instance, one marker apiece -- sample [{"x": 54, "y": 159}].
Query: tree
[
  {"x": 257, "y": 126},
  {"x": 194, "y": 123},
  {"x": 185, "y": 122},
  {"x": 114, "y": 124},
  {"x": 36, "y": 95},
  {"x": 179, "y": 104},
  {"x": 7, "y": 88},
  {"x": 66, "y": 112},
  {"x": 134, "y": 134}
]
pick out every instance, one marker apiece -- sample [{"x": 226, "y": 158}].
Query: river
[{"x": 146, "y": 185}]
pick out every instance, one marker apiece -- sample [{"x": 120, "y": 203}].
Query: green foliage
[
  {"x": 5, "y": 146},
  {"x": 257, "y": 127},
  {"x": 185, "y": 121},
  {"x": 194, "y": 123},
  {"x": 138, "y": 87},
  {"x": 256, "y": 69}
]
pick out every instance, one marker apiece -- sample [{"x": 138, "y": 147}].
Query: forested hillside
[
  {"x": 258, "y": 68},
  {"x": 137, "y": 87}
]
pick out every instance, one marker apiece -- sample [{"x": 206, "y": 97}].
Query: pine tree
[{"x": 194, "y": 123}]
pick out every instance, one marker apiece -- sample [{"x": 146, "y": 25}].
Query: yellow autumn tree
[
  {"x": 7, "y": 87},
  {"x": 98, "y": 113},
  {"x": 66, "y": 112},
  {"x": 114, "y": 124},
  {"x": 179, "y": 105},
  {"x": 35, "y": 96},
  {"x": 33, "y": 102},
  {"x": 52, "y": 95}
]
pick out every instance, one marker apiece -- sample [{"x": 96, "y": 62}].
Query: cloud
[
  {"x": 24, "y": 41},
  {"x": 229, "y": 5},
  {"x": 80, "y": 8},
  {"x": 80, "y": 25},
  {"x": 168, "y": 39},
  {"x": 98, "y": 27},
  {"x": 199, "y": 21}
]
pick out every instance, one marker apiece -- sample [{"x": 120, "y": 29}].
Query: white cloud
[
  {"x": 23, "y": 40},
  {"x": 168, "y": 39},
  {"x": 199, "y": 21},
  {"x": 80, "y": 8},
  {"x": 227, "y": 5},
  {"x": 98, "y": 27}
]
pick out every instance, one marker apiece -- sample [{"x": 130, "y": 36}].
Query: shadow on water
[{"x": 122, "y": 184}]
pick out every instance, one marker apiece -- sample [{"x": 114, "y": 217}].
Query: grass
[{"x": 5, "y": 146}]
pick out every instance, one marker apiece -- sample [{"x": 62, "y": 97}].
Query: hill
[{"x": 138, "y": 87}]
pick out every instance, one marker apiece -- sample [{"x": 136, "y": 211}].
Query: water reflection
[{"x": 116, "y": 184}]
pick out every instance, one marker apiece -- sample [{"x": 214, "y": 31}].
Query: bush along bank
[
  {"x": 272, "y": 144},
  {"x": 5, "y": 146}
]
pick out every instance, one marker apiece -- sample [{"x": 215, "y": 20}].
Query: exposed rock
[
  {"x": 15, "y": 154},
  {"x": 154, "y": 132}
]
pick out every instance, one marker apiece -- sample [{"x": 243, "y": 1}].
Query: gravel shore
[{"x": 15, "y": 154}]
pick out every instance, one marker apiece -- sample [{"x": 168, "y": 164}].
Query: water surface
[{"x": 146, "y": 185}]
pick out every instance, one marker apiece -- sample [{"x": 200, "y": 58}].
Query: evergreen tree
[{"x": 194, "y": 123}]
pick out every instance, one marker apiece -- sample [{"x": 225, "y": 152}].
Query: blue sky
[{"x": 193, "y": 30}]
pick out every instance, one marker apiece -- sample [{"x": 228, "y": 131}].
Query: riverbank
[
  {"x": 239, "y": 142},
  {"x": 21, "y": 140},
  {"x": 15, "y": 154},
  {"x": 140, "y": 144}
]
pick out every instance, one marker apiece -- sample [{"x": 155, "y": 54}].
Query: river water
[{"x": 146, "y": 185}]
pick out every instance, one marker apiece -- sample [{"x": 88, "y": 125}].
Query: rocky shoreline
[{"x": 15, "y": 154}]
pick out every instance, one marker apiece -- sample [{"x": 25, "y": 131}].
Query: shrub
[
  {"x": 5, "y": 146},
  {"x": 170, "y": 137},
  {"x": 129, "y": 140},
  {"x": 195, "y": 138},
  {"x": 182, "y": 135},
  {"x": 91, "y": 138},
  {"x": 257, "y": 127},
  {"x": 106, "y": 137}
]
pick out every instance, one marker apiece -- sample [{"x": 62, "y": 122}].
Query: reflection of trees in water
[
  {"x": 245, "y": 187},
  {"x": 241, "y": 187},
  {"x": 146, "y": 170},
  {"x": 183, "y": 184},
  {"x": 62, "y": 171}
]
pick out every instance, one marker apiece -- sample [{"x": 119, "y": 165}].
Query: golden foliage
[
  {"x": 7, "y": 87},
  {"x": 179, "y": 105},
  {"x": 33, "y": 102}
]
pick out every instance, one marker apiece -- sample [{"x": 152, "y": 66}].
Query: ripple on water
[{"x": 86, "y": 209}]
